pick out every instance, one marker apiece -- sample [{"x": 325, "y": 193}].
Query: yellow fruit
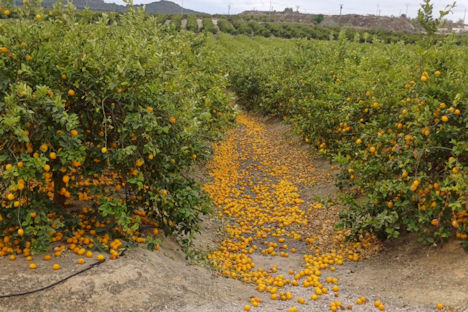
[
  {"x": 12, "y": 257},
  {"x": 247, "y": 308},
  {"x": 44, "y": 148},
  {"x": 358, "y": 141},
  {"x": 56, "y": 267},
  {"x": 46, "y": 168},
  {"x": 74, "y": 133},
  {"x": 47, "y": 257},
  {"x": 10, "y": 197},
  {"x": 440, "y": 306},
  {"x": 423, "y": 78},
  {"x": 444, "y": 118},
  {"x": 53, "y": 155},
  {"x": 100, "y": 258},
  {"x": 20, "y": 232},
  {"x": 71, "y": 92},
  {"x": 437, "y": 73},
  {"x": 149, "y": 109},
  {"x": 33, "y": 266},
  {"x": 172, "y": 120},
  {"x": 104, "y": 150},
  {"x": 81, "y": 261}
]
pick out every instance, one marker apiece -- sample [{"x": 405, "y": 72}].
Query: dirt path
[
  {"x": 274, "y": 219},
  {"x": 273, "y": 195}
]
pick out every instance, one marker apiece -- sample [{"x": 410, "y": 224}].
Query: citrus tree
[{"x": 100, "y": 122}]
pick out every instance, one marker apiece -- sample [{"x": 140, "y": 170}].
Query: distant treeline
[{"x": 237, "y": 25}]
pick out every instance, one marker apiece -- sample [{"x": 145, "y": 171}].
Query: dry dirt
[
  {"x": 142, "y": 280},
  {"x": 405, "y": 276}
]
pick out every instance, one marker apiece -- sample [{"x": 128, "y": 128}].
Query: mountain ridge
[{"x": 162, "y": 6}]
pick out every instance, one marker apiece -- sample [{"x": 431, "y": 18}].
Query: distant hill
[
  {"x": 167, "y": 7},
  {"x": 361, "y": 22},
  {"x": 163, "y": 6}
]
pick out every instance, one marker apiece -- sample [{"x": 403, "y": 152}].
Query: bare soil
[
  {"x": 142, "y": 280},
  {"x": 408, "y": 272}
]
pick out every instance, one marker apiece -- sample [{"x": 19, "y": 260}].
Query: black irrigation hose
[{"x": 58, "y": 282}]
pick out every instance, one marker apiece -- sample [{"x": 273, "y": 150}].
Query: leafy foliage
[
  {"x": 192, "y": 24},
  {"x": 208, "y": 25},
  {"x": 111, "y": 114},
  {"x": 225, "y": 26},
  {"x": 426, "y": 19},
  {"x": 319, "y": 18}
]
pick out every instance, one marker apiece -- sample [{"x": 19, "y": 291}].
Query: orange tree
[
  {"x": 100, "y": 122},
  {"x": 393, "y": 115}
]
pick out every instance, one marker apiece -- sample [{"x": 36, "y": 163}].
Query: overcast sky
[{"x": 386, "y": 7}]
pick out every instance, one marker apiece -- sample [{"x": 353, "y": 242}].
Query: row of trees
[{"x": 252, "y": 27}]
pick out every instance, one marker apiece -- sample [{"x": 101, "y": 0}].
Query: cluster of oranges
[
  {"x": 67, "y": 183},
  {"x": 415, "y": 136},
  {"x": 92, "y": 229}
]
